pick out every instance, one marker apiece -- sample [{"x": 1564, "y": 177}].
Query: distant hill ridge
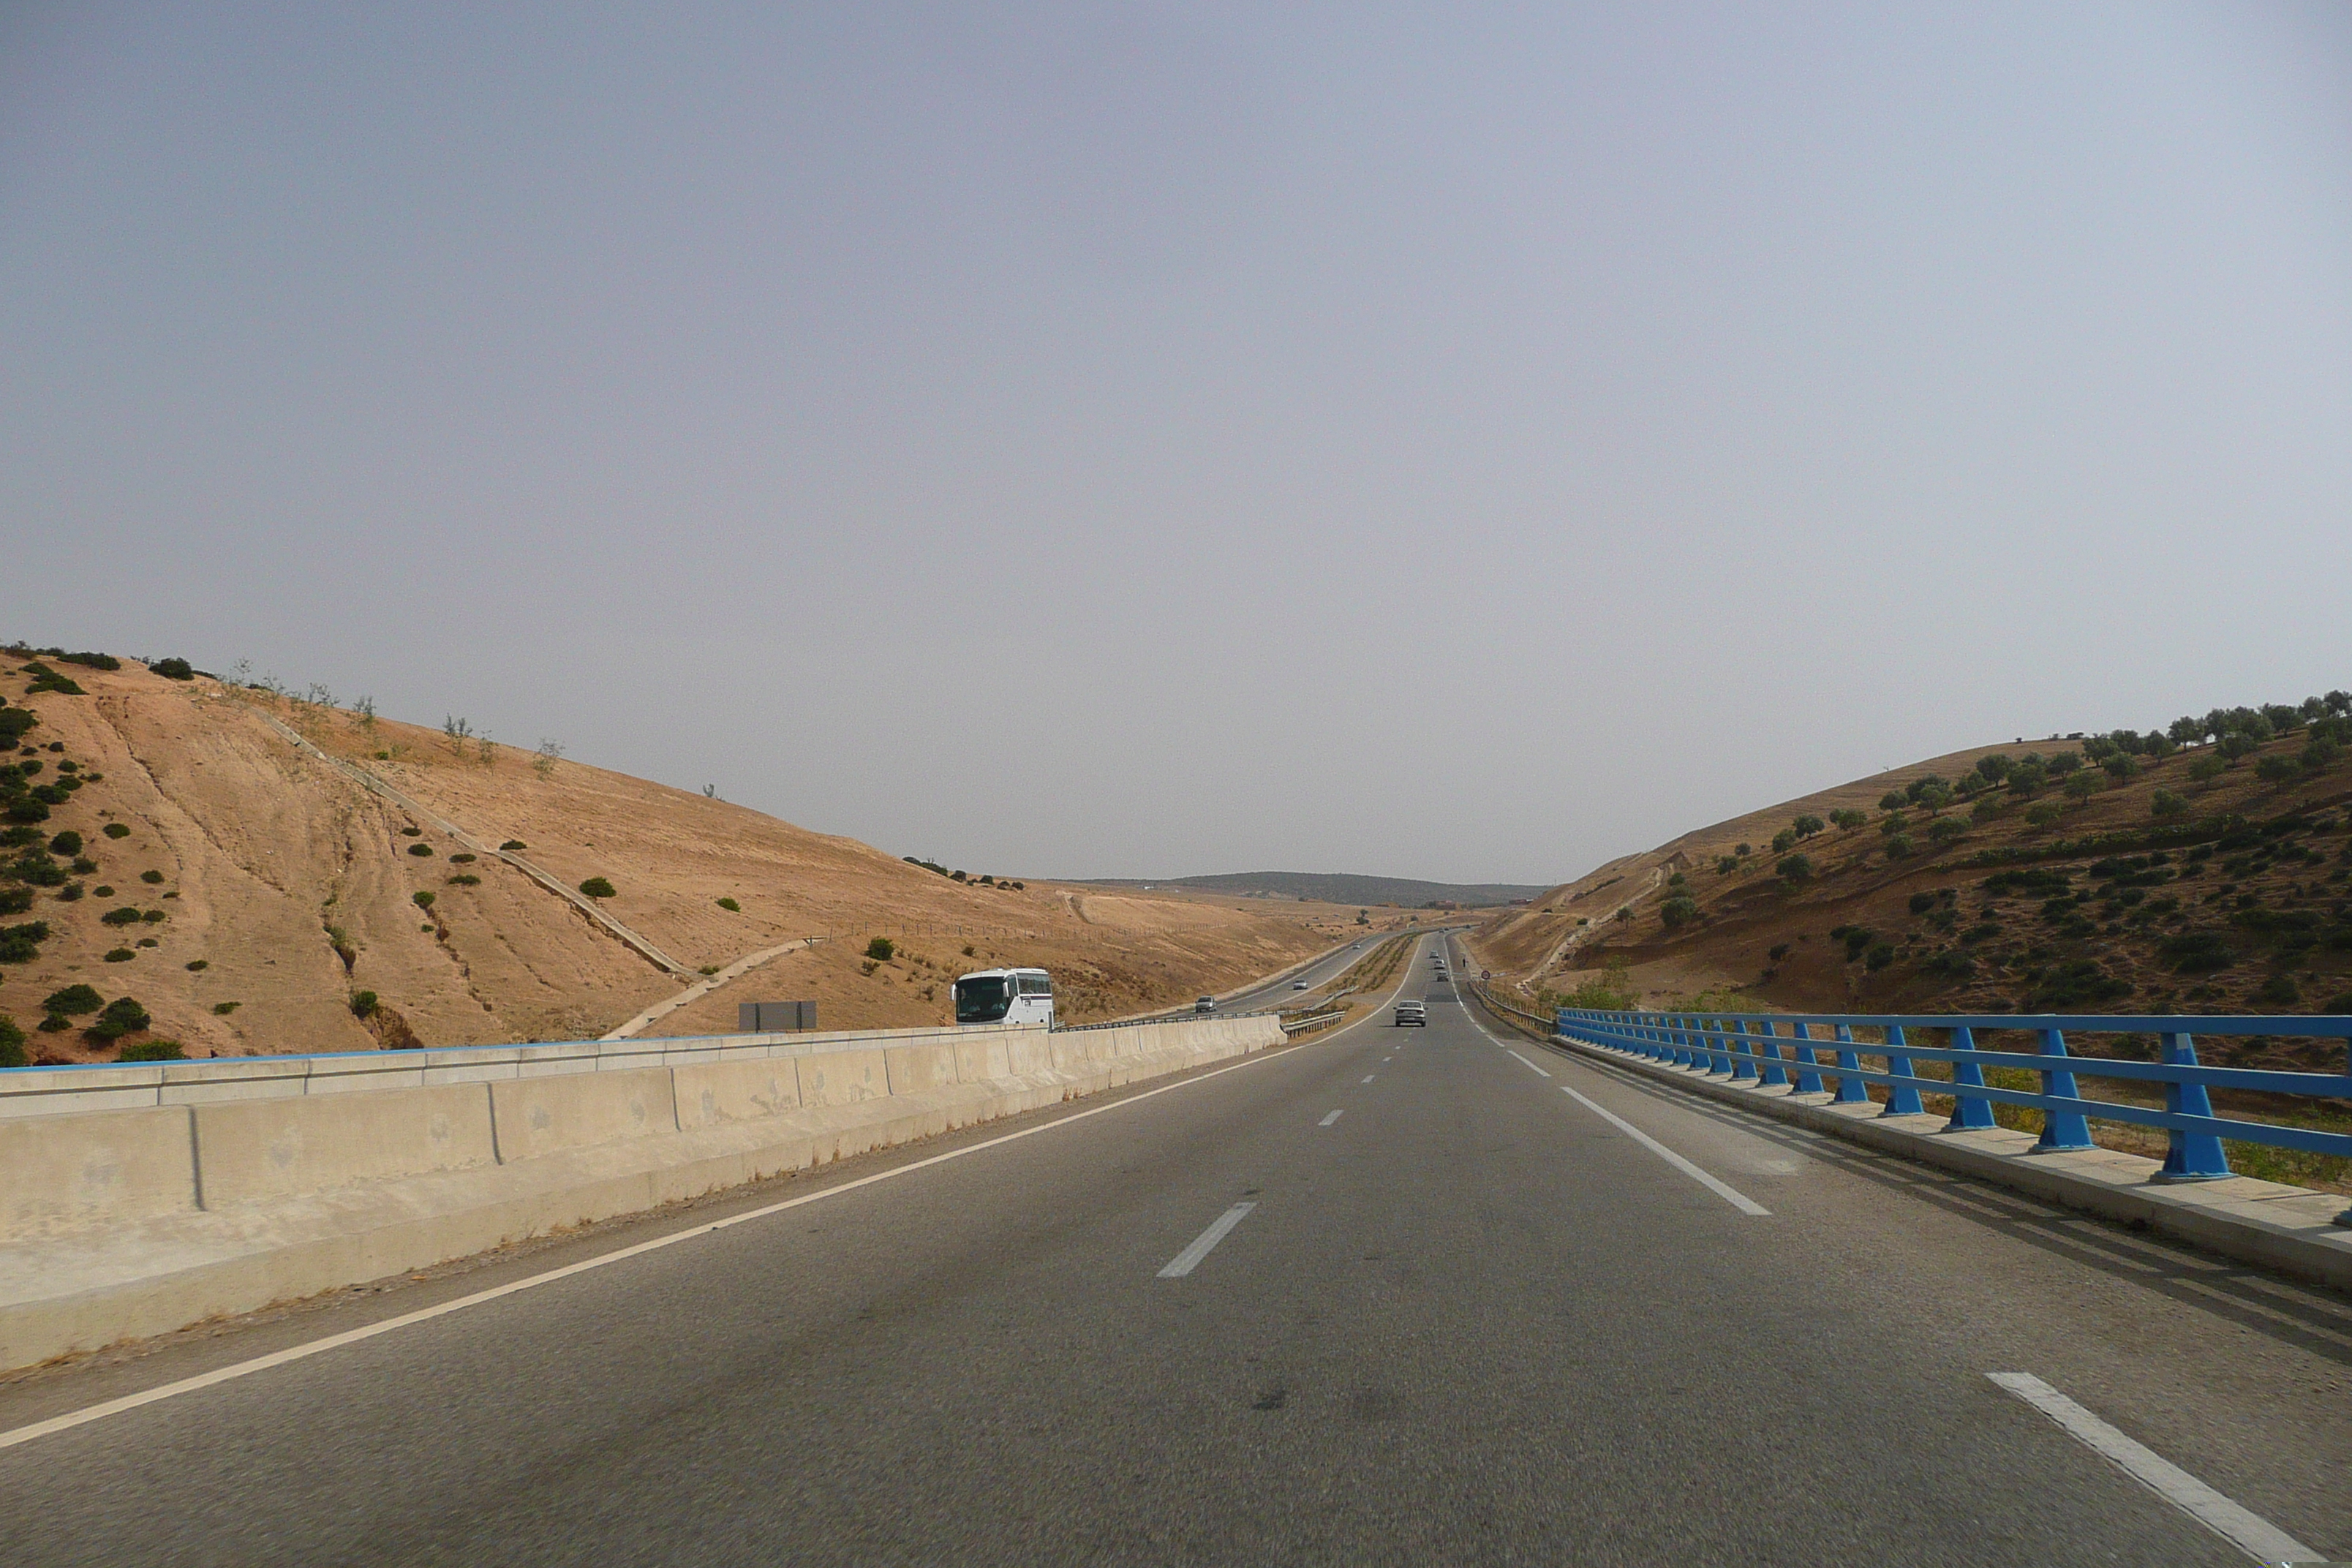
[{"x": 1340, "y": 888}]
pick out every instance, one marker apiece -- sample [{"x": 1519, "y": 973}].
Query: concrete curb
[{"x": 2290, "y": 1229}]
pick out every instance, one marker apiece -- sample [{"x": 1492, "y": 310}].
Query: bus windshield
[{"x": 983, "y": 1000}]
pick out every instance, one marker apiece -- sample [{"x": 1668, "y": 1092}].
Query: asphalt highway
[{"x": 1390, "y": 1296}]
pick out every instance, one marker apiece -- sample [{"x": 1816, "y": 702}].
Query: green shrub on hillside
[
  {"x": 730, "y": 906},
  {"x": 65, "y": 843},
  {"x": 1806, "y": 825},
  {"x": 1784, "y": 841},
  {"x": 198, "y": 965},
  {"x": 2277, "y": 769},
  {"x": 1677, "y": 912},
  {"x": 11, "y": 1044},
  {"x": 15, "y": 900},
  {"x": 1898, "y": 847},
  {"x": 2166, "y": 803},
  {"x": 223, "y": 1009},
  {"x": 422, "y": 898},
  {"x": 364, "y": 1004},
  {"x": 881, "y": 949},
  {"x": 117, "y": 830},
  {"x": 1893, "y": 800},
  {"x": 463, "y": 880},
  {"x": 1945, "y": 830},
  {"x": 122, "y": 1016},
  {"x": 513, "y": 846},
  {"x": 125, "y": 916},
  {"x": 2197, "y": 952},
  {"x": 2082, "y": 786},
  {"x": 461, "y": 859},
  {"x": 153, "y": 1052},
  {"x": 424, "y": 851},
  {"x": 1880, "y": 957},
  {"x": 1794, "y": 868},
  {"x": 173, "y": 669},
  {"x": 597, "y": 888}
]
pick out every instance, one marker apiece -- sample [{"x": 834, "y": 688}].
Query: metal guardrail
[
  {"x": 1486, "y": 996},
  {"x": 1181, "y": 1016},
  {"x": 1312, "y": 1020},
  {"x": 1749, "y": 1047}
]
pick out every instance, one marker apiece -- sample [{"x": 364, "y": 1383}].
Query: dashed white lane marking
[
  {"x": 1369, "y": 1076},
  {"x": 1184, "y": 1262},
  {"x": 1524, "y": 1062},
  {"x": 2256, "y": 1537},
  {"x": 1330, "y": 1119},
  {"x": 1729, "y": 1195},
  {"x": 1389, "y": 1059}
]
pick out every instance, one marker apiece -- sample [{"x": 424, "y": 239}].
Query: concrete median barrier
[
  {"x": 257, "y": 1150},
  {"x": 101, "y": 1169},
  {"x": 715, "y": 1093},
  {"x": 536, "y": 1116},
  {"x": 323, "y": 1172}
]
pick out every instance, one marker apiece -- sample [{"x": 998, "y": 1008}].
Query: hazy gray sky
[{"x": 1454, "y": 442}]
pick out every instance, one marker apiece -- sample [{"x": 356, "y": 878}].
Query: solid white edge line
[
  {"x": 1369, "y": 1076},
  {"x": 1330, "y": 1119},
  {"x": 1184, "y": 1262},
  {"x": 1524, "y": 1062},
  {"x": 130, "y": 1402},
  {"x": 2250, "y": 1533},
  {"x": 1728, "y": 1193}
]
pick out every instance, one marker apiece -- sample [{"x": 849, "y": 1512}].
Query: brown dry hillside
[
  {"x": 248, "y": 887},
  {"x": 2234, "y": 897}
]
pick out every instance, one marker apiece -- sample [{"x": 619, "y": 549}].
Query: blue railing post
[
  {"x": 1968, "y": 1114},
  {"x": 1808, "y": 1080},
  {"x": 2061, "y": 1130},
  {"x": 1771, "y": 1054},
  {"x": 1743, "y": 1053},
  {"x": 1902, "y": 1099},
  {"x": 1849, "y": 1090},
  {"x": 2190, "y": 1156},
  {"x": 1680, "y": 1055}
]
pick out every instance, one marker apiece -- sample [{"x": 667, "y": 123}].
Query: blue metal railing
[{"x": 1749, "y": 1047}]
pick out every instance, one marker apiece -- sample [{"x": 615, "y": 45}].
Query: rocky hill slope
[
  {"x": 250, "y": 872},
  {"x": 2205, "y": 868}
]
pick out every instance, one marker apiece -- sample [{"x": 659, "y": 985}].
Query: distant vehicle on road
[
  {"x": 1411, "y": 1015},
  {"x": 1298, "y": 985},
  {"x": 1004, "y": 997},
  {"x": 1205, "y": 1005}
]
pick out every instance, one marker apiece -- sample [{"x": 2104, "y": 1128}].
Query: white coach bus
[{"x": 1004, "y": 997}]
